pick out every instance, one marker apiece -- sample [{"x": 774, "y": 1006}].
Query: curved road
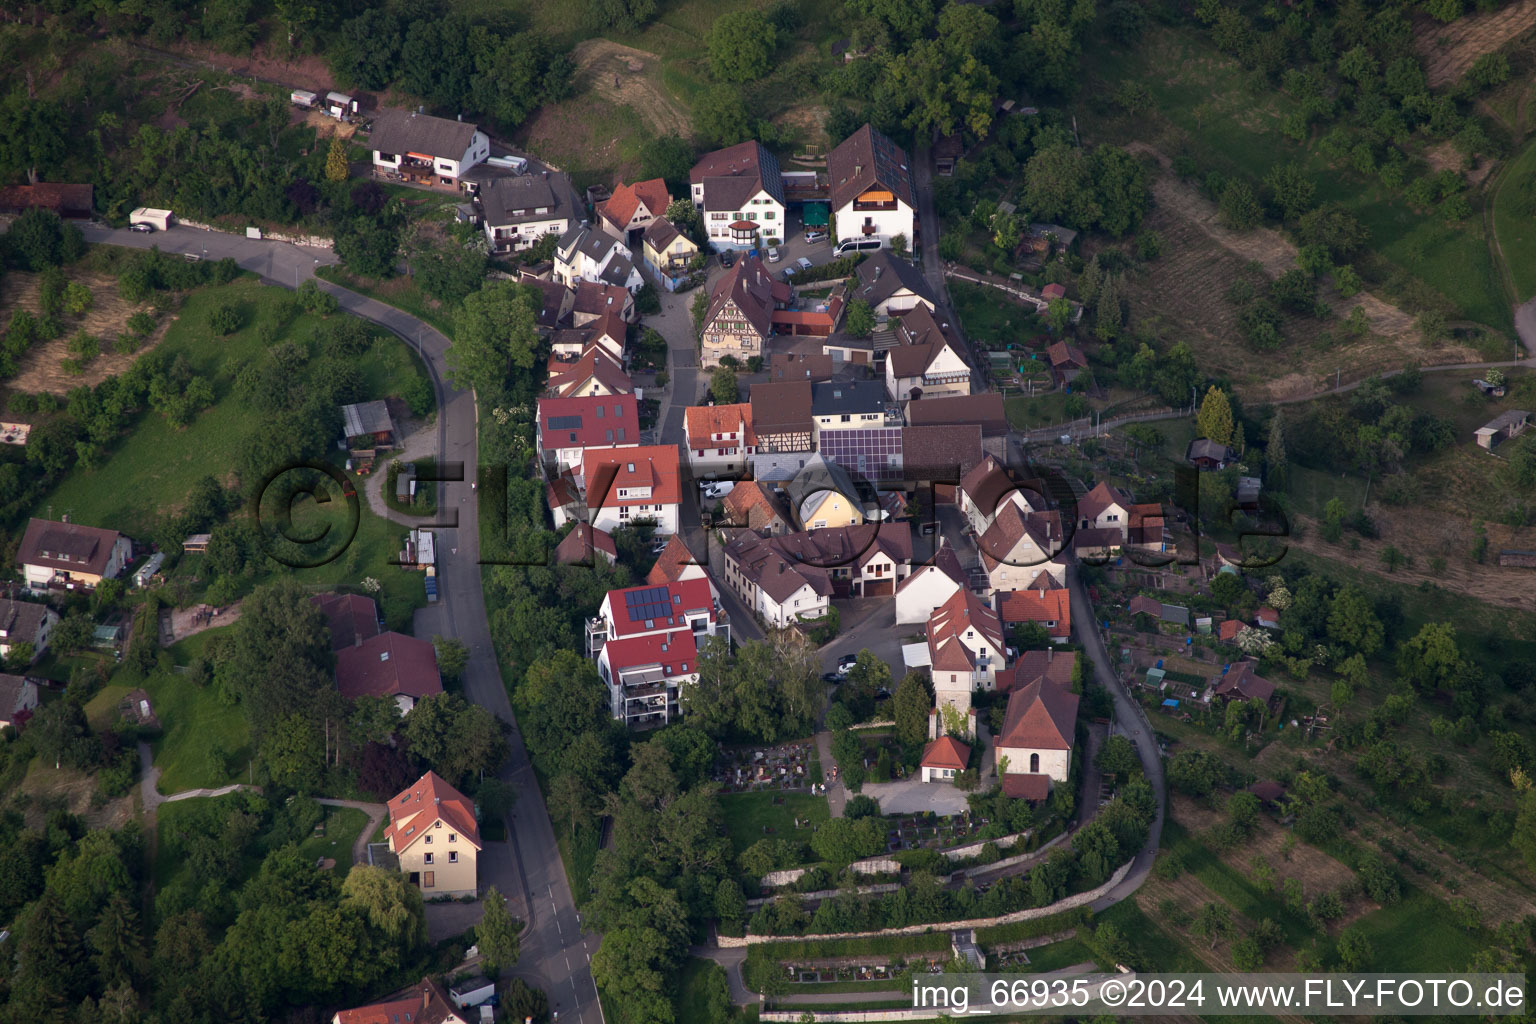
[{"x": 555, "y": 951}]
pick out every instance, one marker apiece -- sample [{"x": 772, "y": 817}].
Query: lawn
[
  {"x": 1207, "y": 106},
  {"x": 149, "y": 474},
  {"x": 691, "y": 1001},
  {"x": 339, "y": 830},
  {"x": 1245, "y": 898},
  {"x": 1417, "y": 933},
  {"x": 990, "y": 318},
  {"x": 753, "y": 816},
  {"x": 400, "y": 292},
  {"x": 1041, "y": 411},
  {"x": 200, "y": 734},
  {"x": 1512, "y": 221}
]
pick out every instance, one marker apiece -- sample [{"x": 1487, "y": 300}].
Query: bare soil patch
[
  {"x": 1315, "y": 870},
  {"x": 625, "y": 76},
  {"x": 49, "y": 787},
  {"x": 1449, "y": 50},
  {"x": 1443, "y": 156},
  {"x": 1201, "y": 260},
  {"x": 41, "y": 367}
]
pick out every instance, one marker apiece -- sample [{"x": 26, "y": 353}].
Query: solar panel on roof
[
  {"x": 648, "y": 603},
  {"x": 564, "y": 422}
]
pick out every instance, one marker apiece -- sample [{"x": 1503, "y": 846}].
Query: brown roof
[
  {"x": 582, "y": 544},
  {"x": 596, "y": 298},
  {"x": 883, "y": 274},
  {"x": 1141, "y": 604},
  {"x": 1051, "y": 665},
  {"x": 422, "y": 1003},
  {"x": 552, "y": 295},
  {"x": 987, "y": 482},
  {"x": 626, "y": 199},
  {"x": 14, "y": 692},
  {"x": 1012, "y": 524},
  {"x": 428, "y": 800},
  {"x": 782, "y": 408},
  {"x": 388, "y": 665},
  {"x": 19, "y": 620},
  {"x": 963, "y": 611},
  {"x": 1041, "y": 715},
  {"x": 866, "y": 160},
  {"x": 807, "y": 366},
  {"x": 732, "y": 175},
  {"x": 352, "y": 618},
  {"x": 749, "y": 285},
  {"x": 751, "y": 505},
  {"x": 1024, "y": 786},
  {"x": 946, "y": 752},
  {"x": 1096, "y": 537},
  {"x": 985, "y": 408},
  {"x": 63, "y": 199},
  {"x": 944, "y": 561},
  {"x": 1103, "y": 495},
  {"x": 67, "y": 546},
  {"x": 1240, "y": 681},
  {"x": 940, "y": 452},
  {"x": 566, "y": 378},
  {"x": 674, "y": 558},
  {"x": 922, "y": 338},
  {"x": 1063, "y": 354},
  {"x": 839, "y": 546},
  {"x": 766, "y": 566},
  {"x": 1267, "y": 790}
]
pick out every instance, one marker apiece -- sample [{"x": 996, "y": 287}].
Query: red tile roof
[
  {"x": 1040, "y": 716},
  {"x": 589, "y": 421},
  {"x": 430, "y": 799},
  {"x": 566, "y": 378},
  {"x": 1023, "y": 786},
  {"x": 583, "y": 544},
  {"x": 388, "y": 665},
  {"x": 681, "y": 598},
  {"x": 1092, "y": 504},
  {"x": 352, "y": 618},
  {"x": 1040, "y": 606},
  {"x": 1242, "y": 682},
  {"x": 751, "y": 506},
  {"x": 626, "y": 199},
  {"x": 423, "y": 1003},
  {"x": 673, "y": 560},
  {"x": 596, "y": 298},
  {"x": 1054, "y": 291},
  {"x": 949, "y": 622},
  {"x": 1229, "y": 629},
  {"x": 946, "y": 752},
  {"x": 676, "y": 651},
  {"x": 702, "y": 422},
  {"x": 606, "y": 470}
]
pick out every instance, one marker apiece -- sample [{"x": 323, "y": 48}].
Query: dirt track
[
  {"x": 1449, "y": 50},
  {"x": 608, "y": 69}
]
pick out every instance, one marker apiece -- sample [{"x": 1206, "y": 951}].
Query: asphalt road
[{"x": 556, "y": 953}]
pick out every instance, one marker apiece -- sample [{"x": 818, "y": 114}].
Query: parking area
[{"x": 911, "y": 796}]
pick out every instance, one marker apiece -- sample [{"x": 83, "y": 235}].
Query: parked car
[
  {"x": 659, "y": 545},
  {"x": 803, "y": 263},
  {"x": 857, "y": 245},
  {"x": 142, "y": 228},
  {"x": 717, "y": 488},
  {"x": 812, "y": 237},
  {"x": 846, "y": 662},
  {"x": 773, "y": 254},
  {"x": 727, "y": 257}
]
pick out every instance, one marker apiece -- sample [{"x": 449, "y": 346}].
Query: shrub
[{"x": 224, "y": 320}]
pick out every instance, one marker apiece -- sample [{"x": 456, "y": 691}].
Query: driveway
[{"x": 913, "y": 796}]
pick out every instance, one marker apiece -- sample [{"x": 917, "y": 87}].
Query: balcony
[{"x": 879, "y": 206}]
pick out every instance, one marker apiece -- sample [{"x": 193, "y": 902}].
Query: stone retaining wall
[
  {"x": 312, "y": 241},
  {"x": 1081, "y": 899}
]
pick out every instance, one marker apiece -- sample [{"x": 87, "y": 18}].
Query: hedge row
[{"x": 1034, "y": 928}]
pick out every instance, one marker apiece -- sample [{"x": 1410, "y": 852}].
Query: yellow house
[
  {"x": 432, "y": 831},
  {"x": 667, "y": 250},
  {"x": 823, "y": 509}
]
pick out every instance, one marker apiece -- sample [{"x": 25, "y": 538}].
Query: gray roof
[
  {"x": 19, "y": 620},
  {"x": 865, "y": 160},
  {"x": 618, "y": 270},
  {"x": 1505, "y": 420},
  {"x": 854, "y": 396},
  {"x": 595, "y": 243},
  {"x": 820, "y": 475},
  {"x": 1205, "y": 448},
  {"x": 516, "y": 200},
  {"x": 749, "y": 163},
  {"x": 883, "y": 275},
  {"x": 1065, "y": 236},
  {"x": 405, "y": 131},
  {"x": 366, "y": 418},
  {"x": 660, "y": 233}
]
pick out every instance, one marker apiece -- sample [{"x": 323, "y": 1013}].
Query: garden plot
[
  {"x": 1449, "y": 50},
  {"x": 43, "y": 366}
]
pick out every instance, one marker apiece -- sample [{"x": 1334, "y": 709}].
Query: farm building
[
  {"x": 368, "y": 424},
  {"x": 1502, "y": 428}
]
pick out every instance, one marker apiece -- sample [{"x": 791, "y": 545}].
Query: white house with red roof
[
  {"x": 567, "y": 427},
  {"x": 1019, "y": 545},
  {"x": 586, "y": 546},
  {"x": 633, "y": 208},
  {"x": 595, "y": 372},
  {"x": 929, "y": 586},
  {"x": 720, "y": 438},
  {"x": 422, "y": 1003},
  {"x": 644, "y": 675},
  {"x": 433, "y": 833},
  {"x": 1034, "y": 748},
  {"x": 623, "y": 485},
  {"x": 1045, "y": 602},
  {"x": 943, "y": 759},
  {"x": 675, "y": 562},
  {"x": 966, "y": 650},
  {"x": 1105, "y": 507},
  {"x": 691, "y": 604}
]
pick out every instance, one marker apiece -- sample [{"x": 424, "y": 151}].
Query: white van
[{"x": 854, "y": 245}]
